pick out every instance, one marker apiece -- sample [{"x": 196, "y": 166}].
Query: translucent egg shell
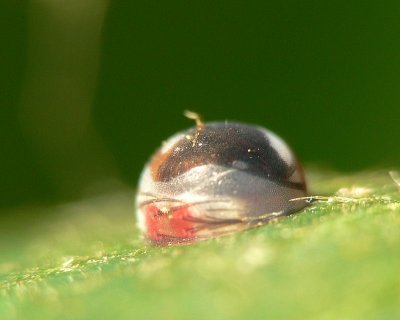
[{"x": 217, "y": 179}]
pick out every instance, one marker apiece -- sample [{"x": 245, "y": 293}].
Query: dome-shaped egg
[{"x": 216, "y": 179}]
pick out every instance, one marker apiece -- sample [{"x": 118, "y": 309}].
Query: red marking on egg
[{"x": 171, "y": 227}]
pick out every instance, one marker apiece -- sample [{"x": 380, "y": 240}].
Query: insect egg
[{"x": 215, "y": 179}]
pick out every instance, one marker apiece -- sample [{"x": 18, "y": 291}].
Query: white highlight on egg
[{"x": 279, "y": 145}]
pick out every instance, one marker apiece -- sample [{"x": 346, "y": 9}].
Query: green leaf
[{"x": 339, "y": 258}]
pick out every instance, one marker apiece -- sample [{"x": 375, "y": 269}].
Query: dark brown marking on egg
[{"x": 233, "y": 145}]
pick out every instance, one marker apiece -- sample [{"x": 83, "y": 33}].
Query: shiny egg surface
[{"x": 216, "y": 179}]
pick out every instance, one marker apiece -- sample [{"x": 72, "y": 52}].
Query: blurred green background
[{"x": 88, "y": 89}]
